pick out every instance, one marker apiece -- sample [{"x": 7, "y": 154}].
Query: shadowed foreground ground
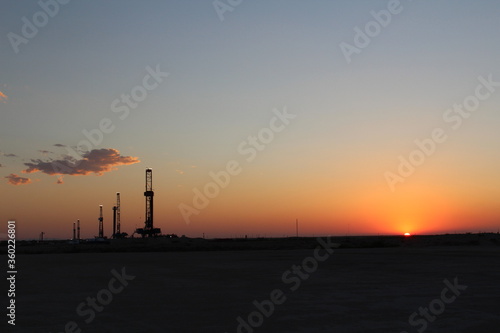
[{"x": 354, "y": 290}]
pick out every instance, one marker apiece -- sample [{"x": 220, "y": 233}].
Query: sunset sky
[{"x": 330, "y": 112}]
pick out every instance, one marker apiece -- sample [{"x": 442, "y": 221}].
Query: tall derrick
[
  {"x": 149, "y": 230},
  {"x": 101, "y": 227}
]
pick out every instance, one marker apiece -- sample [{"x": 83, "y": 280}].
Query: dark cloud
[
  {"x": 14, "y": 179},
  {"x": 95, "y": 161},
  {"x": 60, "y": 180},
  {"x": 45, "y": 152},
  {"x": 10, "y": 155},
  {"x": 1, "y": 165},
  {"x": 59, "y": 145}
]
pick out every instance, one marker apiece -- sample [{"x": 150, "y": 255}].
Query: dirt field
[{"x": 351, "y": 290}]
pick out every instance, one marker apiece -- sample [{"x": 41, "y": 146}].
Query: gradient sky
[{"x": 327, "y": 167}]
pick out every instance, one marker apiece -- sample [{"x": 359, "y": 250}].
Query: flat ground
[{"x": 354, "y": 290}]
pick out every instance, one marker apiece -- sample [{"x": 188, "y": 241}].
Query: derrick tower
[
  {"x": 149, "y": 230},
  {"x": 101, "y": 227}
]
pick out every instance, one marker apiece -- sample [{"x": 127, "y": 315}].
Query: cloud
[
  {"x": 60, "y": 180},
  {"x": 45, "y": 152},
  {"x": 1, "y": 165},
  {"x": 14, "y": 179},
  {"x": 59, "y": 145},
  {"x": 10, "y": 155},
  {"x": 180, "y": 172},
  {"x": 3, "y": 97},
  {"x": 95, "y": 161}
]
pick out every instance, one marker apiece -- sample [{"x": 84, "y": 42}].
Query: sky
[{"x": 354, "y": 117}]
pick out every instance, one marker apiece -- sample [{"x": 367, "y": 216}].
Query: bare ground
[{"x": 354, "y": 290}]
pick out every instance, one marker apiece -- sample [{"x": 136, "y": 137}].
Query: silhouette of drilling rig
[
  {"x": 117, "y": 219},
  {"x": 149, "y": 230}
]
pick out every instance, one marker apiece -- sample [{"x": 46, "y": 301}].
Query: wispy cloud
[
  {"x": 7, "y": 155},
  {"x": 3, "y": 97},
  {"x": 95, "y": 161},
  {"x": 45, "y": 152},
  {"x": 180, "y": 172},
  {"x": 14, "y": 179},
  {"x": 59, "y": 145}
]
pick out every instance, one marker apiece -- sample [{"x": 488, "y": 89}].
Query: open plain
[{"x": 351, "y": 290}]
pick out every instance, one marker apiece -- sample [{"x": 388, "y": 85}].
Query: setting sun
[{"x": 407, "y": 234}]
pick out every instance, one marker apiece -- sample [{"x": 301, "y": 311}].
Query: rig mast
[
  {"x": 101, "y": 230},
  {"x": 149, "y": 200},
  {"x": 113, "y": 235},
  {"x": 149, "y": 229},
  {"x": 118, "y": 231},
  {"x": 116, "y": 217},
  {"x": 78, "y": 229}
]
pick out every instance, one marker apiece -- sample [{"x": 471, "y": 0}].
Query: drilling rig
[
  {"x": 101, "y": 230},
  {"x": 78, "y": 229},
  {"x": 113, "y": 235},
  {"x": 149, "y": 230},
  {"x": 118, "y": 222},
  {"x": 116, "y": 219}
]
